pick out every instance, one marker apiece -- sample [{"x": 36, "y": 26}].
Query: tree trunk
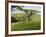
[{"x": 29, "y": 19}]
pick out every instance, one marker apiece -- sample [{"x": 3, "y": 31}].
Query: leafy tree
[
  {"x": 28, "y": 13},
  {"x": 19, "y": 8}
]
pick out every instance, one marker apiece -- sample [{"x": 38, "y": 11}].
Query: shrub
[{"x": 13, "y": 19}]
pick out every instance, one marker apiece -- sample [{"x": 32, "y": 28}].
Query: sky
[{"x": 37, "y": 8}]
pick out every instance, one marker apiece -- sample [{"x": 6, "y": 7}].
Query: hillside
[{"x": 33, "y": 25}]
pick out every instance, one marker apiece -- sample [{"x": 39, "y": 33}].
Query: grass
[{"x": 32, "y": 25}]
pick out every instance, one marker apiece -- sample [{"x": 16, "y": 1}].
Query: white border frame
[{"x": 23, "y": 32}]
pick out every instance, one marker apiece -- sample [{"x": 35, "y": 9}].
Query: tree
[
  {"x": 19, "y": 8},
  {"x": 28, "y": 12}
]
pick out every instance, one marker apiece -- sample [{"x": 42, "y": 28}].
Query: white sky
[{"x": 37, "y": 8}]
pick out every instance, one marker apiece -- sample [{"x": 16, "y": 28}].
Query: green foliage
[
  {"x": 19, "y": 8},
  {"x": 13, "y": 19},
  {"x": 20, "y": 17},
  {"x": 27, "y": 12},
  {"x": 27, "y": 21},
  {"x": 33, "y": 25}
]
